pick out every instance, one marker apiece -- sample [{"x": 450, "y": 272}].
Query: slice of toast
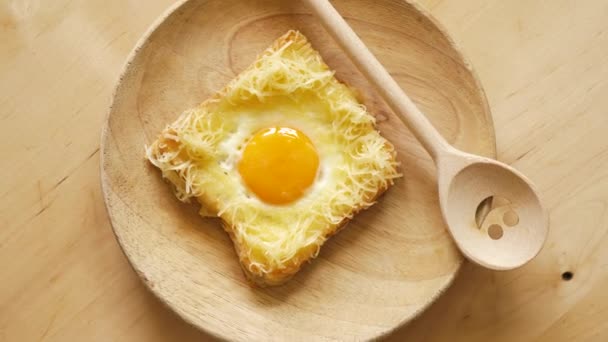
[{"x": 199, "y": 152}]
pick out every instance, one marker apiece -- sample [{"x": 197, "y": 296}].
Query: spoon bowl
[{"x": 511, "y": 230}]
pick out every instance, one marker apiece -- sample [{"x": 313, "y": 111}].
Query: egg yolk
[{"x": 278, "y": 164}]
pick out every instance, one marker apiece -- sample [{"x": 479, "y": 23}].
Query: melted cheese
[{"x": 287, "y": 85}]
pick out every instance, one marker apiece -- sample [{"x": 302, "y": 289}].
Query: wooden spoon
[{"x": 466, "y": 181}]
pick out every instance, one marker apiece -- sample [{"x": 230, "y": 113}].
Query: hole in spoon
[
  {"x": 495, "y": 232},
  {"x": 485, "y": 209},
  {"x": 510, "y": 218},
  {"x": 482, "y": 211}
]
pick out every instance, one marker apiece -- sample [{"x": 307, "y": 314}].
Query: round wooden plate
[{"x": 388, "y": 265}]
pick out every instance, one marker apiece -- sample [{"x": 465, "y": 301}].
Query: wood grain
[
  {"x": 542, "y": 64},
  {"x": 383, "y": 269}
]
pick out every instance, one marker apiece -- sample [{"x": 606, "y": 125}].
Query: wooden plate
[{"x": 386, "y": 267}]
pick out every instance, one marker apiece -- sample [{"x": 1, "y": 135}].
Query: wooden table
[{"x": 544, "y": 65}]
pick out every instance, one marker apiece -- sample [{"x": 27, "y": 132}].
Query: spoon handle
[{"x": 375, "y": 73}]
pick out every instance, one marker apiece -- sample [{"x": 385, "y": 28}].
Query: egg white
[{"x": 247, "y": 124}]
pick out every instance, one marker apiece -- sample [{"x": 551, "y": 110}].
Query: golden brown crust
[{"x": 255, "y": 275}]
